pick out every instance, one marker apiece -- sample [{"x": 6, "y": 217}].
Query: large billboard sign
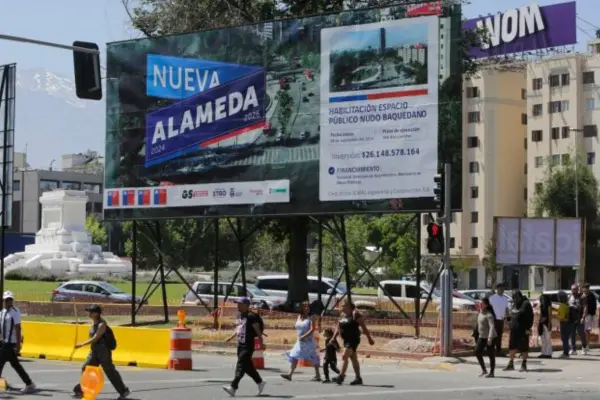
[
  {"x": 527, "y": 28},
  {"x": 552, "y": 242},
  {"x": 322, "y": 115}
]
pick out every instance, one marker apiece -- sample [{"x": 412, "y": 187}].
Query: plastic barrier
[
  {"x": 180, "y": 357},
  {"x": 258, "y": 358},
  {"x": 48, "y": 340}
]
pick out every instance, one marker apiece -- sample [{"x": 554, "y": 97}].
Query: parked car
[
  {"x": 458, "y": 295},
  {"x": 554, "y": 298},
  {"x": 91, "y": 292},
  {"x": 258, "y": 298},
  {"x": 407, "y": 291}
]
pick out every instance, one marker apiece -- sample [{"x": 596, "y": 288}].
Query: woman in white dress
[{"x": 305, "y": 347}]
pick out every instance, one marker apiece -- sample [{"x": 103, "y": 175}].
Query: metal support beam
[
  {"x": 133, "y": 272},
  {"x": 161, "y": 265},
  {"x": 46, "y": 44},
  {"x": 447, "y": 275}
]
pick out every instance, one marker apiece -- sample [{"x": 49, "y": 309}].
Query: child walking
[{"x": 331, "y": 349}]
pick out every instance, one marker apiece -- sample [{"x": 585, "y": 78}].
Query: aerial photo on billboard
[{"x": 321, "y": 115}]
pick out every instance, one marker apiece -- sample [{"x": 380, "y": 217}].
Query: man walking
[
  {"x": 576, "y": 317},
  {"x": 499, "y": 303},
  {"x": 10, "y": 327},
  {"x": 102, "y": 342},
  {"x": 590, "y": 304},
  {"x": 248, "y": 328}
]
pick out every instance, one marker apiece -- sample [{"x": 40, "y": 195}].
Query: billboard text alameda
[
  {"x": 320, "y": 115},
  {"x": 527, "y": 28}
]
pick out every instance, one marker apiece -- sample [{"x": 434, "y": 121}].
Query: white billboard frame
[{"x": 550, "y": 242}]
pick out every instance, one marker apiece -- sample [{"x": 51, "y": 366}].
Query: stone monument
[{"x": 62, "y": 244}]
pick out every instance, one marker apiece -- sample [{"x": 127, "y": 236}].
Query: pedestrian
[
  {"x": 576, "y": 316},
  {"x": 331, "y": 349},
  {"x": 305, "y": 347},
  {"x": 248, "y": 327},
  {"x": 500, "y": 305},
  {"x": 545, "y": 326},
  {"x": 521, "y": 322},
  {"x": 486, "y": 329},
  {"x": 10, "y": 347},
  {"x": 349, "y": 327},
  {"x": 563, "y": 319},
  {"x": 102, "y": 342},
  {"x": 590, "y": 304}
]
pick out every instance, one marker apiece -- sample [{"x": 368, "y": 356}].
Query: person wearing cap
[
  {"x": 10, "y": 328},
  {"x": 248, "y": 328},
  {"x": 100, "y": 353},
  {"x": 500, "y": 304}
]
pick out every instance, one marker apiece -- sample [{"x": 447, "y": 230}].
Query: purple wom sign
[{"x": 526, "y": 28}]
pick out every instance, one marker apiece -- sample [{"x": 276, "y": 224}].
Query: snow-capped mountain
[{"x": 51, "y": 120}]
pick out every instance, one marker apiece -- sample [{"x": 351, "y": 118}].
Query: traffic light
[
  {"x": 435, "y": 239},
  {"x": 88, "y": 83},
  {"x": 438, "y": 192}
]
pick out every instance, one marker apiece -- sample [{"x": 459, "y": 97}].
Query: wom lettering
[{"x": 513, "y": 24}]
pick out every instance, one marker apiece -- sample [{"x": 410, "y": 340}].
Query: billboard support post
[
  {"x": 161, "y": 266},
  {"x": 418, "y": 279},
  {"x": 345, "y": 256},
  {"x": 320, "y": 259},
  {"x": 216, "y": 276},
  {"x": 447, "y": 275},
  {"x": 3, "y": 185},
  {"x": 133, "y": 271}
]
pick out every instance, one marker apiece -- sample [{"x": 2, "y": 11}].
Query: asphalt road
[{"x": 552, "y": 379}]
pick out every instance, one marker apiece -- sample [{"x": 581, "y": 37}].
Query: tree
[
  {"x": 489, "y": 261},
  {"x": 96, "y": 229},
  {"x": 267, "y": 254},
  {"x": 556, "y": 197},
  {"x": 284, "y": 108},
  {"x": 396, "y": 238},
  {"x": 356, "y": 239}
]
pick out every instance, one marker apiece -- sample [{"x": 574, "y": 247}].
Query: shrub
[{"x": 34, "y": 274}]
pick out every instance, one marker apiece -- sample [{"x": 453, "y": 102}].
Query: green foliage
[
  {"x": 286, "y": 101},
  {"x": 96, "y": 229},
  {"x": 489, "y": 260},
  {"x": 396, "y": 235},
  {"x": 356, "y": 238}
]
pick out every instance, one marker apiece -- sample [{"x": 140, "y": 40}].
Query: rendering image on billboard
[
  {"x": 527, "y": 28},
  {"x": 321, "y": 115}
]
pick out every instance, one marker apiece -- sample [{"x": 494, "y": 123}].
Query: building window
[
  {"x": 539, "y": 187},
  {"x": 474, "y": 242},
  {"x": 452, "y": 242},
  {"x": 523, "y": 94},
  {"x": 525, "y": 143},
  {"x": 46, "y": 185},
  {"x": 69, "y": 185},
  {"x": 16, "y": 186},
  {"x": 536, "y": 110},
  {"x": 474, "y": 192},
  {"x": 555, "y": 133},
  {"x": 591, "y": 158},
  {"x": 564, "y": 105},
  {"x": 537, "y": 84},
  {"x": 588, "y": 78},
  {"x": 590, "y": 104},
  {"x": 536, "y": 136},
  {"x": 590, "y": 131},
  {"x": 564, "y": 159},
  {"x": 92, "y": 187},
  {"x": 558, "y": 106},
  {"x": 539, "y": 161},
  {"x": 472, "y": 92},
  {"x": 474, "y": 217},
  {"x": 565, "y": 132},
  {"x": 523, "y": 119},
  {"x": 472, "y": 141},
  {"x": 555, "y": 159},
  {"x": 473, "y": 167},
  {"x": 565, "y": 79},
  {"x": 473, "y": 117},
  {"x": 554, "y": 80}
]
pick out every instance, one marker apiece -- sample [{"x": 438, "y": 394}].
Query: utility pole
[{"x": 446, "y": 275}]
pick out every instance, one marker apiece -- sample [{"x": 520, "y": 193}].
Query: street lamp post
[{"x": 576, "y": 171}]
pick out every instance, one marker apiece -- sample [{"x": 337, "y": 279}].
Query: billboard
[
  {"x": 320, "y": 115},
  {"x": 527, "y": 28},
  {"x": 553, "y": 242},
  {"x": 8, "y": 81}
]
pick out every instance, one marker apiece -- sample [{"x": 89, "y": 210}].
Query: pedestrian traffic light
[
  {"x": 88, "y": 83},
  {"x": 435, "y": 239},
  {"x": 438, "y": 192}
]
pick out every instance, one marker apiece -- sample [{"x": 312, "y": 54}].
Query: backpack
[
  {"x": 261, "y": 323},
  {"x": 563, "y": 312},
  {"x": 109, "y": 339}
]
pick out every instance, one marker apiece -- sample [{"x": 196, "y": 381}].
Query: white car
[
  {"x": 406, "y": 290},
  {"x": 205, "y": 290}
]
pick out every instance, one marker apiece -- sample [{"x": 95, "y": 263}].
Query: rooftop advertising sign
[{"x": 526, "y": 28}]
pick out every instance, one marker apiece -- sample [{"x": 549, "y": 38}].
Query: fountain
[{"x": 62, "y": 244}]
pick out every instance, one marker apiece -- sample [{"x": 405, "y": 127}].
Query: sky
[
  {"x": 395, "y": 37},
  {"x": 103, "y": 21}
]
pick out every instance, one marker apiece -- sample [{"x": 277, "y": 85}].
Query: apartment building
[
  {"x": 563, "y": 107},
  {"x": 494, "y": 175}
]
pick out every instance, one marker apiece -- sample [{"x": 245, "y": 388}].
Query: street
[{"x": 384, "y": 379}]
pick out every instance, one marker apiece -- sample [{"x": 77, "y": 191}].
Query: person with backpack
[
  {"x": 103, "y": 342},
  {"x": 590, "y": 304},
  {"x": 249, "y": 327},
  {"x": 563, "y": 320},
  {"x": 10, "y": 346}
]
